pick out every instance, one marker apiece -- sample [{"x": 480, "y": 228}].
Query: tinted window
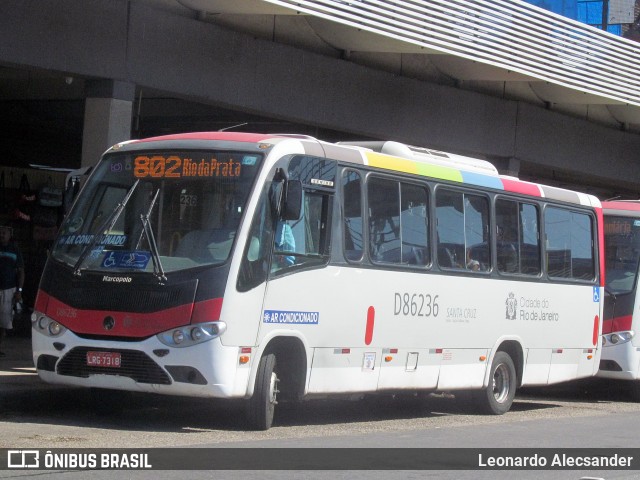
[
  {"x": 303, "y": 241},
  {"x": 569, "y": 244},
  {"x": 622, "y": 242},
  {"x": 413, "y": 222},
  {"x": 398, "y": 222},
  {"x": 352, "y": 208},
  {"x": 158, "y": 211},
  {"x": 463, "y": 230},
  {"x": 517, "y": 238}
]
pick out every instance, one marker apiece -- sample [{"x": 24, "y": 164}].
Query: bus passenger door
[
  {"x": 300, "y": 204},
  {"x": 252, "y": 276}
]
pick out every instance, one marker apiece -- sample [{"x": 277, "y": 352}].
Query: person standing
[{"x": 11, "y": 280}]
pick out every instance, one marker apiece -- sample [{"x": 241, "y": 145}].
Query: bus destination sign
[{"x": 174, "y": 166}]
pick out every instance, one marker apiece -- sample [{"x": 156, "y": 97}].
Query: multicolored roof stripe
[
  {"x": 424, "y": 169},
  {"x": 422, "y": 166},
  {"x": 507, "y": 184}
]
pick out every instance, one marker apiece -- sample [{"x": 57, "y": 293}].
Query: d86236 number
[{"x": 415, "y": 305}]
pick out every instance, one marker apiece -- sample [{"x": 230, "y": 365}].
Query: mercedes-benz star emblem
[{"x": 108, "y": 323}]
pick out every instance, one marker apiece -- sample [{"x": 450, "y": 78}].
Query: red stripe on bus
[
  {"x": 42, "y": 299},
  {"x": 517, "y": 186},
  {"x": 600, "y": 217},
  {"x": 207, "y": 311},
  {"x": 126, "y": 324},
  {"x": 631, "y": 206},
  {"x": 368, "y": 333},
  {"x": 596, "y": 330},
  {"x": 130, "y": 324},
  {"x": 617, "y": 324}
]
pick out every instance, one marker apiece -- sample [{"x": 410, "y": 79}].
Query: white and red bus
[
  {"x": 276, "y": 267},
  {"x": 620, "y": 344}
]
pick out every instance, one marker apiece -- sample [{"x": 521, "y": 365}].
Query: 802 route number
[{"x": 415, "y": 305}]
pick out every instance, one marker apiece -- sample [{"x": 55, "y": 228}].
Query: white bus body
[{"x": 379, "y": 294}]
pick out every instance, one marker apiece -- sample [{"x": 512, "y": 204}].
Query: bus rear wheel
[
  {"x": 498, "y": 396},
  {"x": 261, "y": 406}
]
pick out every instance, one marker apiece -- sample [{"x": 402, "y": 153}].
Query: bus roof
[
  {"x": 621, "y": 205},
  {"x": 219, "y": 136},
  {"x": 392, "y": 156}
]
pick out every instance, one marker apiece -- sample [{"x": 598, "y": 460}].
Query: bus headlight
[
  {"x": 178, "y": 337},
  {"x": 196, "y": 334},
  {"x": 625, "y": 336},
  {"x": 192, "y": 334},
  {"x": 54, "y": 329},
  {"x": 42, "y": 323},
  {"x": 617, "y": 338},
  {"x": 47, "y": 326}
]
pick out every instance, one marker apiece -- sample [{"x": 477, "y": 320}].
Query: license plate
[{"x": 103, "y": 359}]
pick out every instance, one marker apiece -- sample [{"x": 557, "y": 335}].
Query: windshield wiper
[
  {"x": 106, "y": 226},
  {"x": 158, "y": 271}
]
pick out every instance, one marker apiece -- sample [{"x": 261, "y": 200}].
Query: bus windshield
[
  {"x": 158, "y": 211},
  {"x": 622, "y": 240}
]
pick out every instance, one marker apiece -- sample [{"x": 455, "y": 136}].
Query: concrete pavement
[{"x": 17, "y": 372}]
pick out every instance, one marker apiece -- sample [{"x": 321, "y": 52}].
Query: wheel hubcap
[
  {"x": 501, "y": 379},
  {"x": 273, "y": 388}
]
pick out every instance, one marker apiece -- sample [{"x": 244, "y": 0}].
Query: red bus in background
[{"x": 621, "y": 344}]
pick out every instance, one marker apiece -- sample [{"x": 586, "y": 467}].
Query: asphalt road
[{"x": 577, "y": 415}]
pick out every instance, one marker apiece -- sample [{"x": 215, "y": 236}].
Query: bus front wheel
[
  {"x": 498, "y": 396},
  {"x": 262, "y": 404}
]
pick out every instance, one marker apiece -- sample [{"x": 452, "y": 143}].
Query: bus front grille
[
  {"x": 118, "y": 298},
  {"x": 133, "y": 364}
]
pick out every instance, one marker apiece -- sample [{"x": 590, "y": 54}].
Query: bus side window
[
  {"x": 450, "y": 228},
  {"x": 398, "y": 222},
  {"x": 529, "y": 240},
  {"x": 304, "y": 241},
  {"x": 414, "y": 224},
  {"x": 517, "y": 237},
  {"x": 254, "y": 266},
  {"x": 462, "y": 231},
  {"x": 384, "y": 220},
  {"x": 569, "y": 244},
  {"x": 352, "y": 208},
  {"x": 507, "y": 236},
  {"x": 476, "y": 233}
]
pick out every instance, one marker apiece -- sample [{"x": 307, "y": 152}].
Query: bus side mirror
[{"x": 292, "y": 200}]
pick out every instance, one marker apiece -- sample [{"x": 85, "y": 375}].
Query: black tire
[
  {"x": 261, "y": 406},
  {"x": 635, "y": 390},
  {"x": 498, "y": 396}
]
